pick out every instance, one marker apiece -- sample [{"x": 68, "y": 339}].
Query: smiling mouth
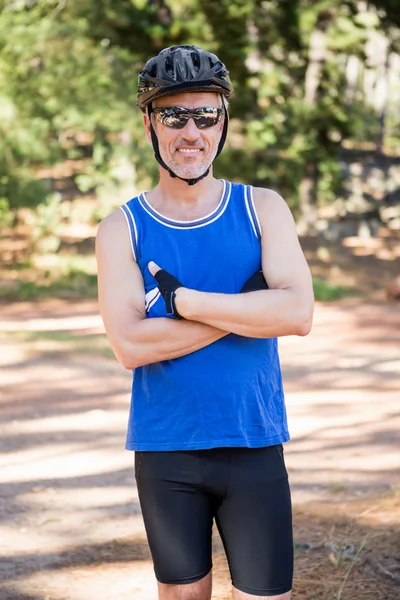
[{"x": 189, "y": 150}]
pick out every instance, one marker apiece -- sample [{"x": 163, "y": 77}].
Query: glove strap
[{"x": 170, "y": 305}]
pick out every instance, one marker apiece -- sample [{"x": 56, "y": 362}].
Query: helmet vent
[
  {"x": 169, "y": 65},
  {"x": 195, "y": 61}
]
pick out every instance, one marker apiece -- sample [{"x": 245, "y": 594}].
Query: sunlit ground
[{"x": 70, "y": 519}]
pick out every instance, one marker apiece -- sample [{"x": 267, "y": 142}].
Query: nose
[{"x": 190, "y": 131}]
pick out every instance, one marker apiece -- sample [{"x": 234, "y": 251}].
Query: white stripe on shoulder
[
  {"x": 247, "y": 199},
  {"x": 133, "y": 237},
  {"x": 257, "y": 222},
  {"x": 151, "y": 298}
]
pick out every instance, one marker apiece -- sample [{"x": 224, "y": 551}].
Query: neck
[
  {"x": 174, "y": 191},
  {"x": 174, "y": 198}
]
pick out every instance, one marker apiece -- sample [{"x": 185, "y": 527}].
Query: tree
[{"x": 69, "y": 69}]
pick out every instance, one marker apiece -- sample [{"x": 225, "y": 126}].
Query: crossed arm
[
  {"x": 285, "y": 309},
  {"x": 135, "y": 340}
]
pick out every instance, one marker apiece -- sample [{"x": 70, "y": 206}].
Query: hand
[
  {"x": 254, "y": 283},
  {"x": 167, "y": 284}
]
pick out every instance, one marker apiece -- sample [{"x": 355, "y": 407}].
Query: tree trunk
[
  {"x": 316, "y": 59},
  {"x": 308, "y": 199},
  {"x": 317, "y": 53},
  {"x": 382, "y": 85}
]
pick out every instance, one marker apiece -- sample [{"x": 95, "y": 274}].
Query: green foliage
[
  {"x": 5, "y": 213},
  {"x": 72, "y": 285},
  {"x": 325, "y": 291},
  {"x": 68, "y": 71},
  {"x": 22, "y": 142},
  {"x": 60, "y": 342},
  {"x": 46, "y": 224}
]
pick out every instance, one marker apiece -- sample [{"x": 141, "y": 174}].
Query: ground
[{"x": 70, "y": 521}]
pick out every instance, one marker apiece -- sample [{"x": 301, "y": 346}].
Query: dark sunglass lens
[
  {"x": 172, "y": 118},
  {"x": 177, "y": 117},
  {"x": 175, "y": 120},
  {"x": 205, "y": 121}
]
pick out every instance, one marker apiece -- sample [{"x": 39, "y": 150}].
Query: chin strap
[{"x": 160, "y": 161}]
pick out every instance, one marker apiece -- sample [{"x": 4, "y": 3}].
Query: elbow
[
  {"x": 304, "y": 324},
  {"x": 130, "y": 362},
  {"x": 125, "y": 361},
  {"x": 126, "y": 357},
  {"x": 131, "y": 358},
  {"x": 128, "y": 347},
  {"x": 304, "y": 328},
  {"x": 129, "y": 365}
]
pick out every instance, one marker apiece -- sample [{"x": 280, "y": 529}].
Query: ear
[{"x": 146, "y": 123}]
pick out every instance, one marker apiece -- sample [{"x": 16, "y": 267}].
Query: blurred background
[{"x": 315, "y": 116}]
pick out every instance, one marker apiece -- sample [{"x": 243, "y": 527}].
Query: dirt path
[{"x": 70, "y": 521}]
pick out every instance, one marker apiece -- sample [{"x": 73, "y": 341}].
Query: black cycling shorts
[{"x": 245, "y": 490}]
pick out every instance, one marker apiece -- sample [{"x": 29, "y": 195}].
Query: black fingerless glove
[
  {"x": 254, "y": 283},
  {"x": 167, "y": 284}
]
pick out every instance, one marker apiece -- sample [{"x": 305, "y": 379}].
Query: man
[{"x": 184, "y": 305}]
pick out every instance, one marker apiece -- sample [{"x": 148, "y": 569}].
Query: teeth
[{"x": 189, "y": 151}]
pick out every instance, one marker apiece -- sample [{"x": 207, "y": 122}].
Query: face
[{"x": 188, "y": 152}]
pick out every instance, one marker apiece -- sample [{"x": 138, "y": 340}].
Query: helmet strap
[{"x": 160, "y": 161}]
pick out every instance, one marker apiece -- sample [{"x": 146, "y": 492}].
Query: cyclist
[{"x": 182, "y": 290}]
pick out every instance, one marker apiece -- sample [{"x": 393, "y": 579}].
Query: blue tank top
[{"x": 230, "y": 392}]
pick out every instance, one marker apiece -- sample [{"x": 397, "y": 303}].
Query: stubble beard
[{"x": 191, "y": 167}]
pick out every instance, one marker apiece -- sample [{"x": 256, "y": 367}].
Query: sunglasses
[{"x": 177, "y": 116}]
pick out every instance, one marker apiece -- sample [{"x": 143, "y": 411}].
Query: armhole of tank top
[
  {"x": 251, "y": 211},
  {"x": 132, "y": 229}
]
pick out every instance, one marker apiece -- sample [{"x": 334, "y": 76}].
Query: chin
[{"x": 188, "y": 172}]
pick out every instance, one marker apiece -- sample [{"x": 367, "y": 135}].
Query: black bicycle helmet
[
  {"x": 177, "y": 69},
  {"x": 181, "y": 68}
]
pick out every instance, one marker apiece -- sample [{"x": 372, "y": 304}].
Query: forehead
[{"x": 190, "y": 100}]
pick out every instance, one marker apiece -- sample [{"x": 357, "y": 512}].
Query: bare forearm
[
  {"x": 260, "y": 314},
  {"x": 157, "y": 339}
]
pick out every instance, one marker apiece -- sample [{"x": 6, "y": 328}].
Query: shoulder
[
  {"x": 264, "y": 197},
  {"x": 113, "y": 221},
  {"x": 112, "y": 231},
  {"x": 271, "y": 208}
]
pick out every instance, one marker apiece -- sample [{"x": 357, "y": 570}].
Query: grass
[
  {"x": 345, "y": 549},
  {"x": 350, "y": 540},
  {"x": 71, "y": 274},
  {"x": 59, "y": 342},
  {"x": 73, "y": 285},
  {"x": 324, "y": 291},
  {"x": 77, "y": 284},
  {"x": 51, "y": 275},
  {"x": 324, "y": 575}
]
